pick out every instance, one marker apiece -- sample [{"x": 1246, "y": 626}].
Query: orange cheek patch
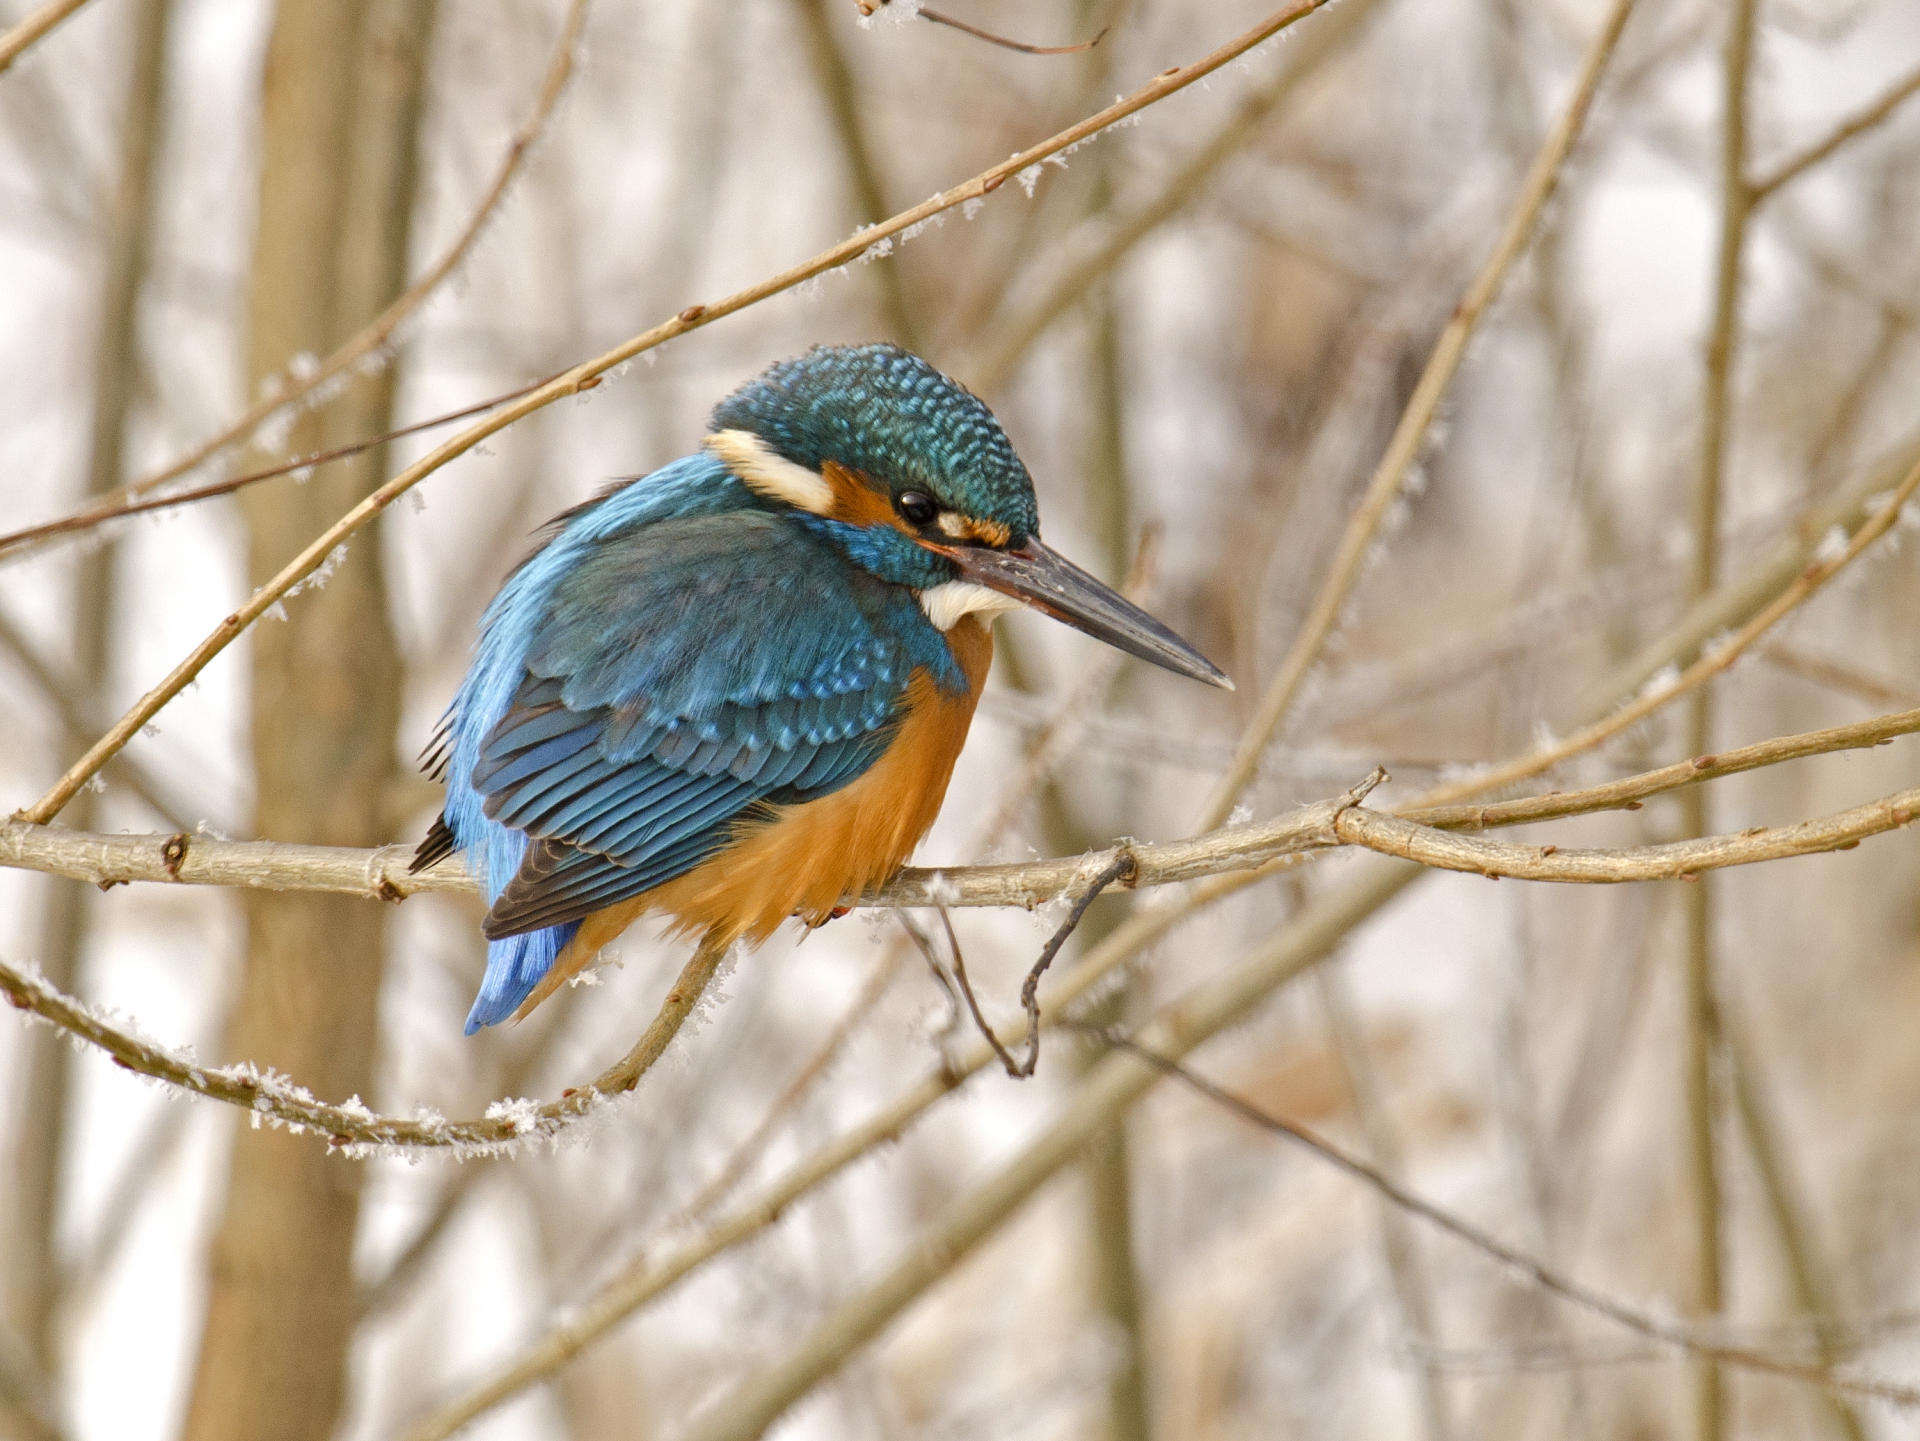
[
  {"x": 856, "y": 502},
  {"x": 968, "y": 527}
]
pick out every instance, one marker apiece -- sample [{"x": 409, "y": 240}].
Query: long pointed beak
[{"x": 1053, "y": 585}]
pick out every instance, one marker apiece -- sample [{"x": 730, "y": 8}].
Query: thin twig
[
  {"x": 588, "y": 374},
  {"x": 365, "y": 347},
  {"x": 959, "y": 966},
  {"x": 991, "y": 358},
  {"x": 1410, "y": 433},
  {"x": 70, "y": 701},
  {"x": 1860, "y": 124},
  {"x": 33, "y": 28},
  {"x": 1803, "y": 587},
  {"x": 1688, "y": 1340},
  {"x": 1004, "y": 43},
  {"x": 1831, "y": 675},
  {"x": 115, "y": 507},
  {"x": 1677, "y": 860},
  {"x": 1700, "y": 1041},
  {"x": 352, "y": 1128},
  {"x": 1628, "y": 792},
  {"x": 1122, "y": 867},
  {"x": 748, "y": 1151}
]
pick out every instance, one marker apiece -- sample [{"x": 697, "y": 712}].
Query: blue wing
[{"x": 645, "y": 680}]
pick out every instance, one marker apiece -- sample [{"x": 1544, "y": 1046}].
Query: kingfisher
[{"x": 733, "y": 691}]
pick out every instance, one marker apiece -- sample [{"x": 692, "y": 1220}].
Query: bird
[{"x": 732, "y": 691}]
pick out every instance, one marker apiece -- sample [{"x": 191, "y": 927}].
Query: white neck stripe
[
  {"x": 766, "y": 472},
  {"x": 945, "y": 604}
]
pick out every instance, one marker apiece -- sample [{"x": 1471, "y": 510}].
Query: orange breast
[{"x": 807, "y": 859}]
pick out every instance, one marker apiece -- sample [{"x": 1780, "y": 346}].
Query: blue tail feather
[{"x": 515, "y": 965}]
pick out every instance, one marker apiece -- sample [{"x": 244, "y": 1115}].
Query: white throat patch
[
  {"x": 766, "y": 472},
  {"x": 946, "y": 603}
]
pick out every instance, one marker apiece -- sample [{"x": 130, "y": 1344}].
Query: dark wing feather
[{"x": 683, "y": 674}]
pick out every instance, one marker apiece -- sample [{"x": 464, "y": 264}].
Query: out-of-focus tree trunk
[
  {"x": 340, "y": 108},
  {"x": 32, "y": 1292}
]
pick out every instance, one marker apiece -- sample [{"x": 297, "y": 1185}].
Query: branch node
[{"x": 173, "y": 854}]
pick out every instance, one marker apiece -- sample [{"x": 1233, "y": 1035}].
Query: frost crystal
[
  {"x": 1029, "y": 178},
  {"x": 1832, "y": 546},
  {"x": 942, "y": 891},
  {"x": 519, "y": 1113},
  {"x": 321, "y": 574},
  {"x": 1240, "y": 816},
  {"x": 972, "y": 207},
  {"x": 1662, "y": 680}
]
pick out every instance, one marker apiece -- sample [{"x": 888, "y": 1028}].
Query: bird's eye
[{"x": 916, "y": 509}]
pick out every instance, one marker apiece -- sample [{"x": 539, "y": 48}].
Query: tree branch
[
  {"x": 381, "y": 873},
  {"x": 33, "y": 28},
  {"x": 1677, "y": 860},
  {"x": 352, "y": 1127},
  {"x": 1799, "y": 590},
  {"x": 1688, "y": 1340},
  {"x": 1875, "y": 114}
]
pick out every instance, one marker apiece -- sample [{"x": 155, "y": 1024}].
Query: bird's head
[{"x": 913, "y": 477}]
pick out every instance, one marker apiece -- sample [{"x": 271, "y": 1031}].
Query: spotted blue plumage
[{"x": 886, "y": 413}]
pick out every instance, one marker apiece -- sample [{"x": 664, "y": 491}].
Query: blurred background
[{"x": 1204, "y": 324}]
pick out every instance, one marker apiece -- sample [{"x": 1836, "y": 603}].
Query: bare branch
[
  {"x": 587, "y": 375},
  {"x": 352, "y": 1128},
  {"x": 990, "y": 359},
  {"x": 1338, "y": 822},
  {"x": 1679, "y": 860},
  {"x": 1411, "y": 432},
  {"x": 381, "y": 874},
  {"x": 1801, "y": 589},
  {"x": 1874, "y": 115},
  {"x": 120, "y": 504},
  {"x": 33, "y": 28},
  {"x": 1003, "y": 42},
  {"x": 1629, "y": 791},
  {"x": 1680, "y": 1338}
]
